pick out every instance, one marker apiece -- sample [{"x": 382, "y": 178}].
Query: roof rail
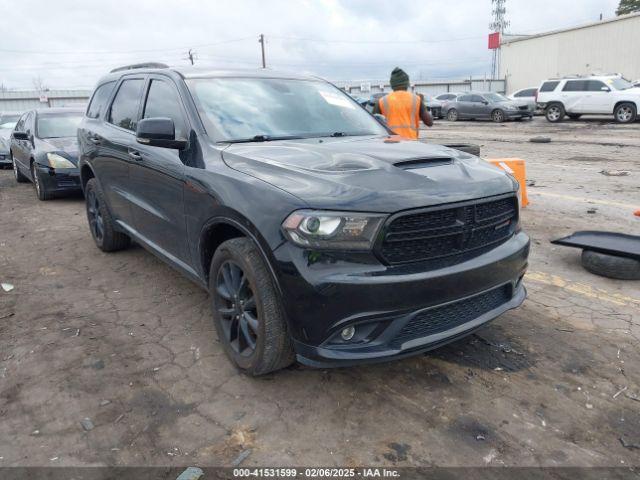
[{"x": 140, "y": 65}]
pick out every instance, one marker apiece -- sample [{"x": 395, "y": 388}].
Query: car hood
[
  {"x": 68, "y": 145},
  {"x": 376, "y": 174}
]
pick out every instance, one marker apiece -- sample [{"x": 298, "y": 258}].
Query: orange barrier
[{"x": 516, "y": 167}]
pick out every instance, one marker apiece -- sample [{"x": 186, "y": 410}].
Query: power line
[
  {"x": 122, "y": 52},
  {"x": 323, "y": 40}
]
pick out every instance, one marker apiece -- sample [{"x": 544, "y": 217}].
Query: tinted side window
[
  {"x": 124, "y": 109},
  {"x": 100, "y": 97},
  {"x": 163, "y": 101},
  {"x": 20, "y": 125},
  {"x": 529, "y": 92},
  {"x": 477, "y": 99},
  {"x": 549, "y": 86},
  {"x": 595, "y": 85},
  {"x": 465, "y": 98},
  {"x": 575, "y": 86}
]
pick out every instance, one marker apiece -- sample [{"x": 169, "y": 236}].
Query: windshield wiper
[{"x": 263, "y": 138}]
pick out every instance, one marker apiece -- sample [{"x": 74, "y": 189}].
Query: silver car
[{"x": 486, "y": 105}]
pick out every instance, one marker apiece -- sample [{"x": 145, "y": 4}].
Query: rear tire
[
  {"x": 452, "y": 115},
  {"x": 246, "y": 309},
  {"x": 625, "y": 113},
  {"x": 554, "y": 112},
  {"x": 101, "y": 223},
  {"x": 19, "y": 176},
  {"x": 611, "y": 266}
]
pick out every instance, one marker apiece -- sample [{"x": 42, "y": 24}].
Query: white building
[
  {"x": 608, "y": 46},
  {"x": 21, "y": 100}
]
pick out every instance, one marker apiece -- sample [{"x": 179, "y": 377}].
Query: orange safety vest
[{"x": 402, "y": 110}]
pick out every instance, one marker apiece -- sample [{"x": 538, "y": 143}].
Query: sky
[{"x": 70, "y": 44}]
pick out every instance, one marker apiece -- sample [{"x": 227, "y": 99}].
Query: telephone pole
[
  {"x": 499, "y": 24},
  {"x": 261, "y": 42}
]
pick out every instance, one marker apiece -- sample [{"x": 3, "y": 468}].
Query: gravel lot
[{"x": 123, "y": 340}]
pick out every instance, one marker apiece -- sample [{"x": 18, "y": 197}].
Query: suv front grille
[
  {"x": 446, "y": 317},
  {"x": 456, "y": 233}
]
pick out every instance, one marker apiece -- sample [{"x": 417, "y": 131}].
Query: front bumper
[
  {"x": 61, "y": 180},
  {"x": 396, "y": 310},
  {"x": 510, "y": 115}
]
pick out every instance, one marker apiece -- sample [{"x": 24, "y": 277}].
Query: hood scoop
[{"x": 416, "y": 163}]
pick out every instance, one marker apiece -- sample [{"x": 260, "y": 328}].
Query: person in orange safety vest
[{"x": 403, "y": 109}]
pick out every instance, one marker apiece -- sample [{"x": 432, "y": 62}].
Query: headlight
[
  {"x": 333, "y": 230},
  {"x": 58, "y": 161}
]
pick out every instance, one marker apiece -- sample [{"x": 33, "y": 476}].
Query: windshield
[
  {"x": 495, "y": 97},
  {"x": 54, "y": 126},
  {"x": 262, "y": 109},
  {"x": 620, "y": 83}
]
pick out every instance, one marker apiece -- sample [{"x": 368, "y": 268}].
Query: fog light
[{"x": 348, "y": 333}]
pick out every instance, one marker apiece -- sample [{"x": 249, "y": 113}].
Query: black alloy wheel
[
  {"x": 247, "y": 310},
  {"x": 96, "y": 222},
  {"x": 237, "y": 309}
]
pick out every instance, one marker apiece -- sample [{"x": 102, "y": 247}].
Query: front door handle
[{"x": 135, "y": 155}]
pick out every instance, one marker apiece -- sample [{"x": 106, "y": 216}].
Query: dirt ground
[{"x": 123, "y": 340}]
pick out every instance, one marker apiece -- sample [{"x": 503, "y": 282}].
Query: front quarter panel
[{"x": 217, "y": 193}]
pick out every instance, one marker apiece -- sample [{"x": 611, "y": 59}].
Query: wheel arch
[
  {"x": 224, "y": 227},
  {"x": 620, "y": 102},
  {"x": 86, "y": 174}
]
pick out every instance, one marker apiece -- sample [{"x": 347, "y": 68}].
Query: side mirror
[
  {"x": 381, "y": 118},
  {"x": 484, "y": 102},
  {"x": 21, "y": 135},
  {"x": 158, "y": 132},
  {"x": 605, "y": 89}
]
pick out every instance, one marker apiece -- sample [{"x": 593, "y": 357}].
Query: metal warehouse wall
[
  {"x": 425, "y": 87},
  {"x": 19, "y": 101},
  {"x": 611, "y": 46}
]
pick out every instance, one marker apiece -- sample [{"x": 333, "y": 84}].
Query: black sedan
[
  {"x": 44, "y": 150},
  {"x": 7, "y": 122},
  {"x": 487, "y": 105}
]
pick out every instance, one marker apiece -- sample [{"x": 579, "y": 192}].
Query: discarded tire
[
  {"x": 540, "y": 140},
  {"x": 611, "y": 266},
  {"x": 465, "y": 147}
]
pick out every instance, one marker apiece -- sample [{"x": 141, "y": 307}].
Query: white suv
[{"x": 577, "y": 96}]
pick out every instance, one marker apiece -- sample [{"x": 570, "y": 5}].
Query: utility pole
[
  {"x": 261, "y": 42},
  {"x": 191, "y": 56},
  {"x": 499, "y": 24}
]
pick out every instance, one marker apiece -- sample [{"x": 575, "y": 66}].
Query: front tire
[
  {"x": 497, "y": 116},
  {"x": 246, "y": 309},
  {"x": 101, "y": 223},
  {"x": 41, "y": 190},
  {"x": 452, "y": 115},
  {"x": 554, "y": 112},
  {"x": 19, "y": 176},
  {"x": 625, "y": 113}
]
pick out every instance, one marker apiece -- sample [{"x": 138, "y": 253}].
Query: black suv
[{"x": 319, "y": 234}]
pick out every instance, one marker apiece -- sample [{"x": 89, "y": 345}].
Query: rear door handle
[{"x": 135, "y": 155}]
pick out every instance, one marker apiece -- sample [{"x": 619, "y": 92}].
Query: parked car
[
  {"x": 434, "y": 107},
  {"x": 7, "y": 122},
  {"x": 319, "y": 236},
  {"x": 526, "y": 96},
  {"x": 488, "y": 105},
  {"x": 44, "y": 150},
  {"x": 594, "y": 95}
]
